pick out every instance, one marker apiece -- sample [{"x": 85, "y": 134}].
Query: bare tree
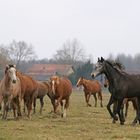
[
  {"x": 18, "y": 51},
  {"x": 3, "y": 56},
  {"x": 70, "y": 53}
]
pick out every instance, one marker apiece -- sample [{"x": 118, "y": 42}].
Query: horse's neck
[
  {"x": 85, "y": 83},
  {"x": 112, "y": 74}
]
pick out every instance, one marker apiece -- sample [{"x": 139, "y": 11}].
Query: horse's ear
[
  {"x": 102, "y": 59},
  {"x": 81, "y": 77},
  {"x": 98, "y": 59},
  {"x": 7, "y": 66}
]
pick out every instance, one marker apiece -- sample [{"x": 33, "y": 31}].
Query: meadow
[{"x": 82, "y": 123}]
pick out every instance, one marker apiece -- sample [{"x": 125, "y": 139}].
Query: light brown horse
[
  {"x": 61, "y": 90},
  {"x": 10, "y": 91},
  {"x": 44, "y": 88},
  {"x": 28, "y": 90},
  {"x": 91, "y": 88}
]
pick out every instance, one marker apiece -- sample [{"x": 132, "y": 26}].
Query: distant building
[{"x": 45, "y": 71}]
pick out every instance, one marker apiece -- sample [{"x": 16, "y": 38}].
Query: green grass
[{"x": 82, "y": 123}]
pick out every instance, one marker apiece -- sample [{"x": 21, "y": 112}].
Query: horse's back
[
  {"x": 28, "y": 85},
  {"x": 93, "y": 86},
  {"x": 42, "y": 89}
]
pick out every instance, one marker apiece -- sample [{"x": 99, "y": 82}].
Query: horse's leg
[
  {"x": 53, "y": 104},
  {"x": 34, "y": 104},
  {"x": 115, "y": 110},
  {"x": 66, "y": 107},
  {"x": 100, "y": 98},
  {"x": 1, "y": 99},
  {"x": 62, "y": 108},
  {"x": 14, "y": 108},
  {"x": 24, "y": 106},
  {"x": 137, "y": 112},
  {"x": 18, "y": 102},
  {"x": 120, "y": 113},
  {"x": 87, "y": 96},
  {"x": 41, "y": 104},
  {"x": 94, "y": 95},
  {"x": 57, "y": 103},
  {"x": 30, "y": 101},
  {"x": 126, "y": 103},
  {"x": 4, "y": 110},
  {"x": 111, "y": 101}
]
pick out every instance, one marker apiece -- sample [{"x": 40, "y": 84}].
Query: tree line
[{"x": 23, "y": 56}]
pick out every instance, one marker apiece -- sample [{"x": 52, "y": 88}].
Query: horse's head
[
  {"x": 79, "y": 82},
  {"x": 54, "y": 81},
  {"x": 10, "y": 71},
  {"x": 99, "y": 67}
]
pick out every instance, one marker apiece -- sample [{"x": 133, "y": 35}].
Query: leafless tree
[
  {"x": 18, "y": 51},
  {"x": 70, "y": 53}
]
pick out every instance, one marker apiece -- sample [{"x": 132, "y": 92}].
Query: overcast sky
[{"x": 101, "y": 26}]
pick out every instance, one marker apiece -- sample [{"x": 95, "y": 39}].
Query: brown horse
[
  {"x": 28, "y": 90},
  {"x": 91, "y": 88},
  {"x": 44, "y": 88},
  {"x": 61, "y": 90},
  {"x": 10, "y": 91},
  {"x": 125, "y": 102}
]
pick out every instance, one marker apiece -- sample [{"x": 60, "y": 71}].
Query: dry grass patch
[{"x": 82, "y": 123}]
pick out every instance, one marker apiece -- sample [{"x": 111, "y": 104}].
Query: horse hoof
[
  {"x": 133, "y": 124},
  {"x": 122, "y": 123},
  {"x": 115, "y": 118}
]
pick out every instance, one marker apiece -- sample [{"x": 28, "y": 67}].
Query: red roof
[{"x": 48, "y": 69}]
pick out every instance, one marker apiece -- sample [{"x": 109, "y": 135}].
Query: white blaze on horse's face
[
  {"x": 78, "y": 83},
  {"x": 12, "y": 74},
  {"x": 53, "y": 87}
]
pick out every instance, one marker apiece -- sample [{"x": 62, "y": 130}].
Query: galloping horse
[
  {"x": 28, "y": 90},
  {"x": 91, "y": 88},
  {"x": 125, "y": 102},
  {"x": 44, "y": 88},
  {"x": 10, "y": 91},
  {"x": 123, "y": 86},
  {"x": 62, "y": 89}
]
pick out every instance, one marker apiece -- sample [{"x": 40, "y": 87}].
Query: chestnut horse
[
  {"x": 44, "y": 88},
  {"x": 91, "y": 88},
  {"x": 28, "y": 90},
  {"x": 10, "y": 91},
  {"x": 61, "y": 90}
]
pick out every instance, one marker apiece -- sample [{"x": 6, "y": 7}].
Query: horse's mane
[
  {"x": 116, "y": 69},
  {"x": 124, "y": 73},
  {"x": 116, "y": 63}
]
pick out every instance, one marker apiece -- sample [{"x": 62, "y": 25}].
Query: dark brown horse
[
  {"x": 123, "y": 85},
  {"x": 28, "y": 90},
  {"x": 91, "y": 88},
  {"x": 61, "y": 90},
  {"x": 125, "y": 102},
  {"x": 44, "y": 88},
  {"x": 10, "y": 91}
]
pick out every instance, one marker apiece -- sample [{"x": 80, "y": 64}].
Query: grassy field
[{"x": 82, "y": 123}]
